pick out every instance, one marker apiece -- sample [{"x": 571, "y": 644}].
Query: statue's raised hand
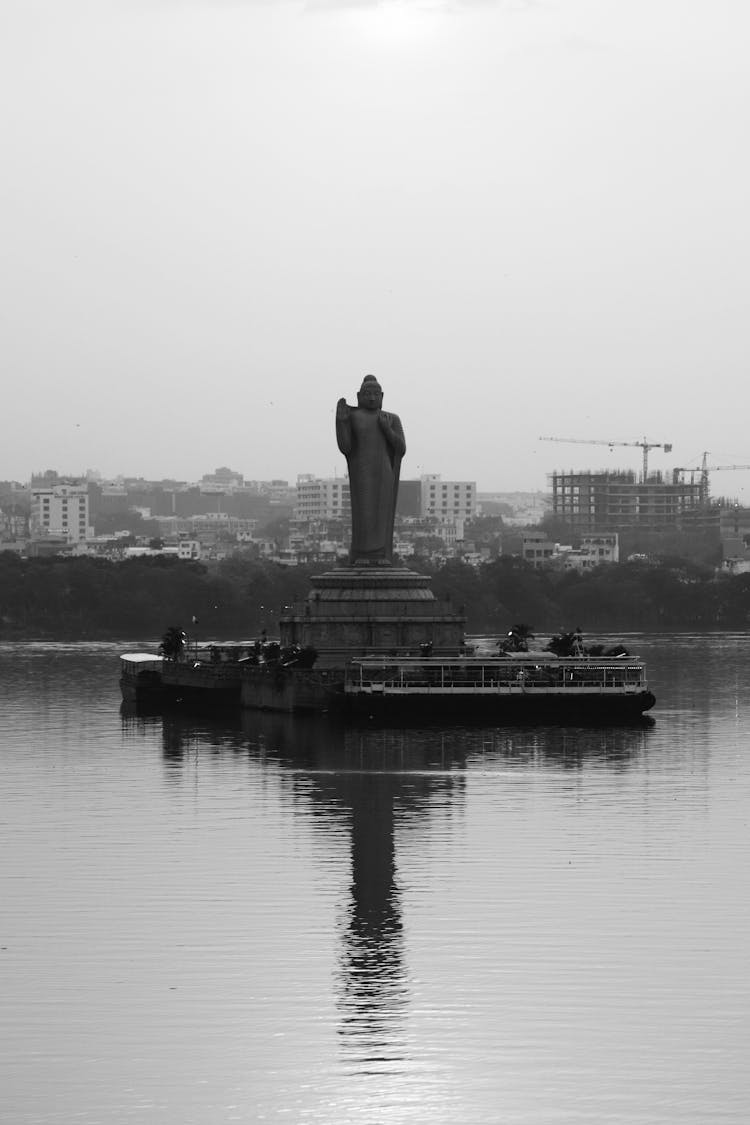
[{"x": 342, "y": 410}]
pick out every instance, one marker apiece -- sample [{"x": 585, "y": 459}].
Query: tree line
[{"x": 63, "y": 598}]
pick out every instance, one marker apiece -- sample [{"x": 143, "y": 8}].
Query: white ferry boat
[{"x": 525, "y": 686}]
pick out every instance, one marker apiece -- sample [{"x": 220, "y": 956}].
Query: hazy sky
[{"x": 526, "y": 218}]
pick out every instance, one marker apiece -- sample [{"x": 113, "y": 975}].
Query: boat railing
[
  {"x": 134, "y": 663},
  {"x": 502, "y": 676}
]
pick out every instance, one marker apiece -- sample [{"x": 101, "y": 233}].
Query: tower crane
[
  {"x": 705, "y": 469},
  {"x": 644, "y": 445}
]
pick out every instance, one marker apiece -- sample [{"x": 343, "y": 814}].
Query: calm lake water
[{"x": 261, "y": 919}]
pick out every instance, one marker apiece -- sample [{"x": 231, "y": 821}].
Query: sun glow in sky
[
  {"x": 395, "y": 24},
  {"x": 524, "y": 218}
]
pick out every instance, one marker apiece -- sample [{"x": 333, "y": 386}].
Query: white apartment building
[
  {"x": 61, "y": 509},
  {"x": 320, "y": 500},
  {"x": 189, "y": 549},
  {"x": 538, "y": 549},
  {"x": 447, "y": 500},
  {"x": 600, "y": 549},
  {"x": 595, "y": 550}
]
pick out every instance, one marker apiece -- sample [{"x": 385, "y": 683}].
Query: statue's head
[{"x": 370, "y": 394}]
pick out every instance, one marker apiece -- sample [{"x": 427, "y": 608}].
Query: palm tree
[
  {"x": 173, "y": 643},
  {"x": 517, "y": 639},
  {"x": 565, "y": 644}
]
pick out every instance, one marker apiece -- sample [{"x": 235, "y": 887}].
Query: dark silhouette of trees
[
  {"x": 76, "y": 598},
  {"x": 173, "y": 643}
]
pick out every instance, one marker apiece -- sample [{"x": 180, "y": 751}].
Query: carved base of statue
[{"x": 370, "y": 611}]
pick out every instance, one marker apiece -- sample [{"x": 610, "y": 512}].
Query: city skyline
[
  {"x": 524, "y": 219},
  {"x": 207, "y": 482}
]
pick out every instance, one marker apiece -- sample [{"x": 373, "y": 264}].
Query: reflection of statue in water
[
  {"x": 373, "y": 443},
  {"x": 372, "y": 980}
]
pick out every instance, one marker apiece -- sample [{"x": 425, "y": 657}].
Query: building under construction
[{"x": 606, "y": 501}]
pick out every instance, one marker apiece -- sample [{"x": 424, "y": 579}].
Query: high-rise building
[
  {"x": 60, "y": 509},
  {"x": 447, "y": 500},
  {"x": 320, "y": 500},
  {"x": 616, "y": 501}
]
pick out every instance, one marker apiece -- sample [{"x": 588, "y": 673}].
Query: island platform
[
  {"x": 531, "y": 687},
  {"x": 371, "y": 639}
]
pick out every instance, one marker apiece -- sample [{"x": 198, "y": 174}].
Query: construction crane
[
  {"x": 705, "y": 469},
  {"x": 644, "y": 445}
]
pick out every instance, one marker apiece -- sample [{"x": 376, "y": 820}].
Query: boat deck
[{"x": 519, "y": 675}]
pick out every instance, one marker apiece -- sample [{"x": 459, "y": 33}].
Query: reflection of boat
[
  {"x": 525, "y": 686},
  {"x": 528, "y": 687}
]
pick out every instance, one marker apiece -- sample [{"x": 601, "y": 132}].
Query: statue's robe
[{"x": 374, "y": 467}]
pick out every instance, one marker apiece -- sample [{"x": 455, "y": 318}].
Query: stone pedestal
[{"x": 360, "y": 611}]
